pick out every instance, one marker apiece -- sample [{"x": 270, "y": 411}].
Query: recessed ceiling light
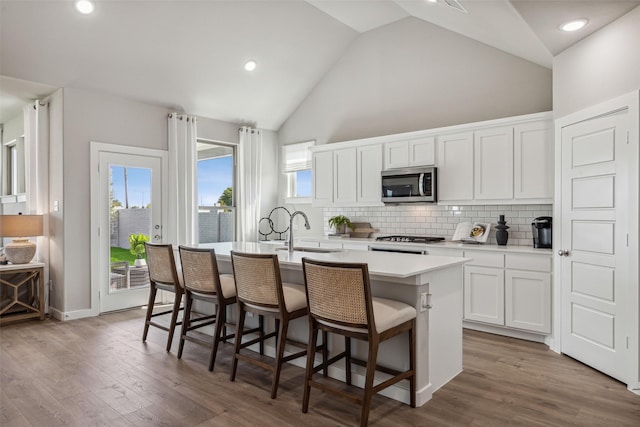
[
  {"x": 250, "y": 65},
  {"x": 85, "y": 6},
  {"x": 432, "y": 1},
  {"x": 574, "y": 25}
]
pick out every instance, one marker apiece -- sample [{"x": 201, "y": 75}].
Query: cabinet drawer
[
  {"x": 444, "y": 252},
  {"x": 356, "y": 246},
  {"x": 331, "y": 245},
  {"x": 485, "y": 259},
  {"x": 528, "y": 262}
]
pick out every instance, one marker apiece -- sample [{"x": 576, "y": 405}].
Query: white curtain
[
  {"x": 182, "y": 224},
  {"x": 249, "y": 172},
  {"x": 36, "y": 141}
]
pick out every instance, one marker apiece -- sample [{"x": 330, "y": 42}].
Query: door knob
[{"x": 563, "y": 252}]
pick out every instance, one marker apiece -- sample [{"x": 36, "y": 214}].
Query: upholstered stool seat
[
  {"x": 340, "y": 302},
  {"x": 203, "y": 282},
  {"x": 163, "y": 275},
  {"x": 260, "y": 290}
]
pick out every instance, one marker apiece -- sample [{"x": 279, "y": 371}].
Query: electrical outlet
[{"x": 425, "y": 301}]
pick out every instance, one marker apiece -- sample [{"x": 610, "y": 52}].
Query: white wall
[
  {"x": 56, "y": 191},
  {"x": 600, "y": 67},
  {"x": 413, "y": 75},
  {"x": 13, "y": 128},
  {"x": 90, "y": 116}
]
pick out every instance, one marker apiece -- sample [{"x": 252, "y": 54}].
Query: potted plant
[
  {"x": 340, "y": 223},
  {"x": 137, "y": 248}
]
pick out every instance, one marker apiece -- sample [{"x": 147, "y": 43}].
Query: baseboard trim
[
  {"x": 513, "y": 333},
  {"x": 70, "y": 315}
]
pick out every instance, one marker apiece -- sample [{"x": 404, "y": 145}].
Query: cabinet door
[
  {"x": 528, "y": 300},
  {"x": 493, "y": 164},
  {"x": 396, "y": 154},
  {"x": 455, "y": 166},
  {"x": 322, "y": 179},
  {"x": 422, "y": 151},
  {"x": 484, "y": 295},
  {"x": 533, "y": 161},
  {"x": 344, "y": 176},
  {"x": 369, "y": 182}
]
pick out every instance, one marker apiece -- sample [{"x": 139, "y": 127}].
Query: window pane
[
  {"x": 303, "y": 183},
  {"x": 216, "y": 216}
]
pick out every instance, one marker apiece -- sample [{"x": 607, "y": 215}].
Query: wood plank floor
[{"x": 96, "y": 371}]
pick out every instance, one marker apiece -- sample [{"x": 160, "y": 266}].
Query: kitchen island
[{"x": 431, "y": 284}]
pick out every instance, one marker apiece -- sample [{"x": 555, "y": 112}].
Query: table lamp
[{"x": 21, "y": 250}]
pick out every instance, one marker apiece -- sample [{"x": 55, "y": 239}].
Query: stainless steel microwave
[{"x": 409, "y": 185}]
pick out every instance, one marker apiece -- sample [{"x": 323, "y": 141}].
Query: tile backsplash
[{"x": 441, "y": 221}]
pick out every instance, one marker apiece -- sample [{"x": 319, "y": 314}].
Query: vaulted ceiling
[{"x": 188, "y": 55}]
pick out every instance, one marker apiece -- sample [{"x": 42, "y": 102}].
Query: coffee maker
[{"x": 541, "y": 229}]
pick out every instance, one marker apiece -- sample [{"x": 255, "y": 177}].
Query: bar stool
[
  {"x": 164, "y": 276},
  {"x": 203, "y": 282},
  {"x": 340, "y": 301},
  {"x": 260, "y": 290}
]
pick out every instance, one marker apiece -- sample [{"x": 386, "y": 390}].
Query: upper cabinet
[
  {"x": 455, "y": 167},
  {"x": 533, "y": 161},
  {"x": 347, "y": 176},
  {"x": 411, "y": 152},
  {"x": 504, "y": 161},
  {"x": 493, "y": 163},
  {"x": 510, "y": 164}
]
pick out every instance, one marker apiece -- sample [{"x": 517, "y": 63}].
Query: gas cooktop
[{"x": 410, "y": 239}]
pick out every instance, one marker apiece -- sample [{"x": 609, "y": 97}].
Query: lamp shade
[{"x": 20, "y": 225}]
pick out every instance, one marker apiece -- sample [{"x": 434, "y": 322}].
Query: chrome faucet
[{"x": 306, "y": 224}]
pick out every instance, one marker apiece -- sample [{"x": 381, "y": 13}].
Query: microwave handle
[{"x": 421, "y": 184}]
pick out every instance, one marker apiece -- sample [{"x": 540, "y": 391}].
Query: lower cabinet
[
  {"x": 518, "y": 298},
  {"x": 528, "y": 300},
  {"x": 484, "y": 294}
]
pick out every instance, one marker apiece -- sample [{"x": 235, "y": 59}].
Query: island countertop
[
  {"x": 431, "y": 284},
  {"x": 393, "y": 265}
]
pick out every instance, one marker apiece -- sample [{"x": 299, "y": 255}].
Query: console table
[{"x": 21, "y": 292}]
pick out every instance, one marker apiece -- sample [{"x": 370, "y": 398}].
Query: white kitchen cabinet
[
  {"x": 455, "y": 167},
  {"x": 322, "y": 178},
  {"x": 422, "y": 151},
  {"x": 396, "y": 154},
  {"x": 344, "y": 177},
  {"x": 493, "y": 164},
  {"x": 528, "y": 300},
  {"x": 412, "y": 152},
  {"x": 533, "y": 161},
  {"x": 331, "y": 245},
  {"x": 368, "y": 168},
  {"x": 484, "y": 294}
]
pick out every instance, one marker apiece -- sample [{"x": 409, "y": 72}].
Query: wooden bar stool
[
  {"x": 340, "y": 301},
  {"x": 203, "y": 282},
  {"x": 260, "y": 290},
  {"x": 164, "y": 276}
]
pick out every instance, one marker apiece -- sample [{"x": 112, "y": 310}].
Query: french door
[{"x": 129, "y": 202}]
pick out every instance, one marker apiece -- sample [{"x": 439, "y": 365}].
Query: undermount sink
[{"x": 302, "y": 249}]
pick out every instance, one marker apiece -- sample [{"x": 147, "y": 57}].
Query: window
[
  {"x": 13, "y": 167},
  {"x": 296, "y": 165},
  {"x": 215, "y": 173}
]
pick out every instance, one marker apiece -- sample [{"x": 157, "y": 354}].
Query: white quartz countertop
[
  {"x": 379, "y": 263},
  {"x": 447, "y": 244}
]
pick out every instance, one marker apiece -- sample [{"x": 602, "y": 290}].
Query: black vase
[{"x": 502, "y": 235}]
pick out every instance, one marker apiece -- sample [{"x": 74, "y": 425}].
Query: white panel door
[
  {"x": 455, "y": 166},
  {"x": 594, "y": 232},
  {"x": 322, "y": 179},
  {"x": 493, "y": 164},
  {"x": 484, "y": 294}
]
